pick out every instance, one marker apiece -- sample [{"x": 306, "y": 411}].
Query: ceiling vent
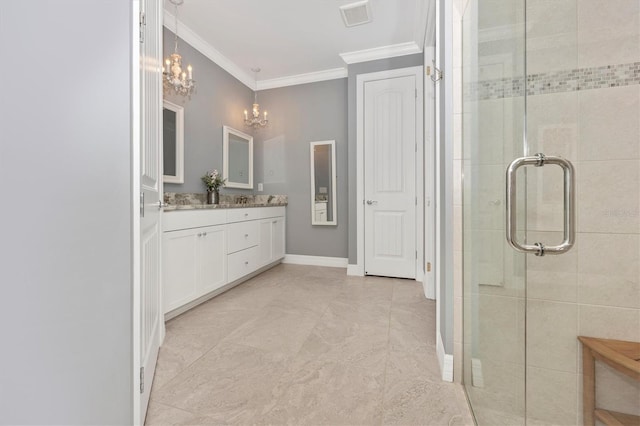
[{"x": 356, "y": 13}]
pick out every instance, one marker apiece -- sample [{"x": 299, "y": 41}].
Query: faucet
[{"x": 271, "y": 197}]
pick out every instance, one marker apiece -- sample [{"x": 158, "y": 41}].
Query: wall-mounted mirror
[
  {"x": 172, "y": 143},
  {"x": 237, "y": 165},
  {"x": 323, "y": 183}
]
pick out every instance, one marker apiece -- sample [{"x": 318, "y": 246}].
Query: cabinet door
[
  {"x": 212, "y": 258},
  {"x": 266, "y": 242},
  {"x": 180, "y": 269},
  {"x": 277, "y": 238}
]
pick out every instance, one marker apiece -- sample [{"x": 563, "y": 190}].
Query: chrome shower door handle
[
  {"x": 540, "y": 249},
  {"x": 371, "y": 202}
]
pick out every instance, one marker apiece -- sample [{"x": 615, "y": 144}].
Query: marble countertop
[
  {"x": 197, "y": 201},
  {"x": 174, "y": 207}
]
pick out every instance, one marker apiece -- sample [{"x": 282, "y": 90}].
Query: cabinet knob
[
  {"x": 246, "y": 263},
  {"x": 200, "y": 234},
  {"x": 246, "y": 235},
  {"x": 204, "y": 234}
]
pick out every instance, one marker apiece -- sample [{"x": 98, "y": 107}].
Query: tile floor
[{"x": 306, "y": 345}]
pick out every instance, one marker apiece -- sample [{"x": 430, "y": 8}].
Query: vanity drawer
[
  {"x": 266, "y": 212},
  {"x": 242, "y": 263},
  {"x": 237, "y": 215},
  {"x": 175, "y": 220},
  {"x": 242, "y": 235}
]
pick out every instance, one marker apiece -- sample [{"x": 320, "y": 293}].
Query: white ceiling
[{"x": 296, "y": 41}]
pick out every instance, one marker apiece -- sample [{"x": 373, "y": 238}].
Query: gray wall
[
  {"x": 65, "y": 256},
  {"x": 299, "y": 115},
  {"x": 354, "y": 70},
  {"x": 220, "y": 99}
]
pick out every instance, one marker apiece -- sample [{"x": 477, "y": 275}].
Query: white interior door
[
  {"x": 150, "y": 317},
  {"x": 390, "y": 148}
]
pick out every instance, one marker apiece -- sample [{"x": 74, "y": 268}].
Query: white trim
[
  {"x": 310, "y": 77},
  {"x": 381, "y": 52},
  {"x": 332, "y": 194},
  {"x": 135, "y": 213},
  {"x": 355, "y": 270},
  {"x": 193, "y": 39},
  {"x": 179, "y": 177},
  {"x": 444, "y": 359},
  {"x": 429, "y": 177},
  {"x": 332, "y": 262},
  {"x": 437, "y": 196},
  {"x": 226, "y": 131},
  {"x": 360, "y": 80}
]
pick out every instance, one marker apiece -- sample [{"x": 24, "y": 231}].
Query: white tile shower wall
[
  {"x": 583, "y": 62},
  {"x": 587, "y": 109}
]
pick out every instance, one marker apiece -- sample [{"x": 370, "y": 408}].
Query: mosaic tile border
[{"x": 556, "y": 82}]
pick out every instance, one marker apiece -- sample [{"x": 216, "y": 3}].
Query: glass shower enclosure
[{"x": 551, "y": 241}]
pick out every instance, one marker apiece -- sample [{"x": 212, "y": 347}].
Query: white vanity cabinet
[
  {"x": 197, "y": 264},
  {"x": 193, "y": 256},
  {"x": 206, "y": 251},
  {"x": 271, "y": 239}
]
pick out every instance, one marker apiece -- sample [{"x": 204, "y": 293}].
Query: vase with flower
[{"x": 213, "y": 181}]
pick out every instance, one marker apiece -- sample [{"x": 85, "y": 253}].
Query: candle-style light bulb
[
  {"x": 246, "y": 117},
  {"x": 265, "y": 115},
  {"x": 190, "y": 69}
]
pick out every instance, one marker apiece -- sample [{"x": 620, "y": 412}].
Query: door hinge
[
  {"x": 141, "y": 379},
  {"x": 142, "y": 204},
  {"x": 416, "y": 201},
  {"x": 143, "y": 22},
  {"x": 416, "y": 93},
  {"x": 416, "y": 254},
  {"x": 428, "y": 266}
]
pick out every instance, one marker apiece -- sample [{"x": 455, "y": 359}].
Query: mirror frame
[
  {"x": 226, "y": 131},
  {"x": 333, "y": 192},
  {"x": 179, "y": 110}
]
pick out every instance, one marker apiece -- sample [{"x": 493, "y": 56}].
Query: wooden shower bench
[{"x": 618, "y": 354}]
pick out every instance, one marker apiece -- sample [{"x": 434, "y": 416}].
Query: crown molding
[
  {"x": 310, "y": 77},
  {"x": 209, "y": 51},
  {"x": 382, "y": 52}
]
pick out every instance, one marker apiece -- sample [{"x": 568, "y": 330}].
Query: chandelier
[
  {"x": 173, "y": 75},
  {"x": 255, "y": 121}
]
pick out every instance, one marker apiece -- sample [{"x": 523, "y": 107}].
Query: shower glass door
[
  {"x": 494, "y": 273},
  {"x": 560, "y": 78}
]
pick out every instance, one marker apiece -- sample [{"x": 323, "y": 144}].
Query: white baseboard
[
  {"x": 477, "y": 379},
  {"x": 429, "y": 289},
  {"x": 298, "y": 259},
  {"x": 445, "y": 360},
  {"x": 355, "y": 270}
]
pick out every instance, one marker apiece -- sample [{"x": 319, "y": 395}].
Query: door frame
[
  {"x": 361, "y": 79},
  {"x": 136, "y": 111}
]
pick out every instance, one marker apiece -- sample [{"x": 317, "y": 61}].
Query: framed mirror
[
  {"x": 237, "y": 163},
  {"x": 323, "y": 183},
  {"x": 172, "y": 143}
]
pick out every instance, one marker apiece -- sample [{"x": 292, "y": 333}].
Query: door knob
[{"x": 371, "y": 202}]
